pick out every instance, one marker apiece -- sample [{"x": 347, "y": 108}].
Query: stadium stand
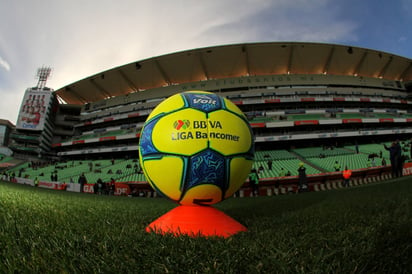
[{"x": 313, "y": 106}]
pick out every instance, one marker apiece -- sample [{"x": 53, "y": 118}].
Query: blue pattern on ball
[
  {"x": 207, "y": 167},
  {"x": 146, "y": 143}
]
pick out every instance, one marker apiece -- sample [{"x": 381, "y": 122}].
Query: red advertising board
[
  {"x": 352, "y": 120},
  {"x": 107, "y": 138},
  {"x": 386, "y": 120},
  {"x": 237, "y": 102},
  {"x": 257, "y": 125},
  {"x": 272, "y": 100},
  {"x": 121, "y": 189},
  {"x": 310, "y": 99},
  {"x": 407, "y": 169},
  {"x": 306, "y": 122}
]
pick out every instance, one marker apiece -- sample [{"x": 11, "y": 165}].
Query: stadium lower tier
[{"x": 269, "y": 164}]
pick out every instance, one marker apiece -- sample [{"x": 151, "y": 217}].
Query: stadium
[{"x": 312, "y": 103}]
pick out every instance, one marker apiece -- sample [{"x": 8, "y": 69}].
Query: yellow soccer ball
[{"x": 196, "y": 148}]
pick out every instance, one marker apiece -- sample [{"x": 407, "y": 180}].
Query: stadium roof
[{"x": 234, "y": 61}]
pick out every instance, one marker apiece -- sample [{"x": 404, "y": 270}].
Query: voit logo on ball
[
  {"x": 204, "y": 102},
  {"x": 203, "y": 99}
]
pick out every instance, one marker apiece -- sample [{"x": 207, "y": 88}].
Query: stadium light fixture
[{"x": 43, "y": 74}]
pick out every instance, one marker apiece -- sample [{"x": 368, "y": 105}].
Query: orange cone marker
[{"x": 196, "y": 221}]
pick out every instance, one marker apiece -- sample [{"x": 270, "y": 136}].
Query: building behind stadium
[{"x": 294, "y": 95}]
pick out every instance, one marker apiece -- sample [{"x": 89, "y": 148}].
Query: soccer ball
[{"x": 196, "y": 148}]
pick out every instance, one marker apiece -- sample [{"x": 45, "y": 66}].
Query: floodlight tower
[{"x": 43, "y": 74}]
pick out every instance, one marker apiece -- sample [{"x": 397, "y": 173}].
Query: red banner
[
  {"x": 88, "y": 188},
  {"x": 349, "y": 121},
  {"x": 306, "y": 122},
  {"x": 307, "y": 99},
  {"x": 107, "y": 138},
  {"x": 257, "y": 124},
  {"x": 272, "y": 100},
  {"x": 407, "y": 169},
  {"x": 130, "y": 115},
  {"x": 121, "y": 189}
]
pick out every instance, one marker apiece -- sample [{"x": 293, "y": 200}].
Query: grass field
[{"x": 365, "y": 229}]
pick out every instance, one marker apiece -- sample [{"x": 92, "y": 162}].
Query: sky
[{"x": 79, "y": 38}]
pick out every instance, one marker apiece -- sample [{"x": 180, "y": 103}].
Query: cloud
[
  {"x": 4, "y": 64},
  {"x": 402, "y": 39},
  {"x": 79, "y": 42},
  {"x": 282, "y": 20}
]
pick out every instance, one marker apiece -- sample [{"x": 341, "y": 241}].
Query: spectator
[
  {"x": 383, "y": 162},
  {"x": 347, "y": 173},
  {"x": 302, "y": 177},
  {"x": 270, "y": 164},
  {"x": 394, "y": 157},
  {"x": 100, "y": 187},
  {"x": 95, "y": 188},
  {"x": 254, "y": 182},
  {"x": 82, "y": 181},
  {"x": 112, "y": 186}
]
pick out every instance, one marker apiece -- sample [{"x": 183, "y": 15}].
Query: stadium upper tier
[{"x": 195, "y": 67}]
